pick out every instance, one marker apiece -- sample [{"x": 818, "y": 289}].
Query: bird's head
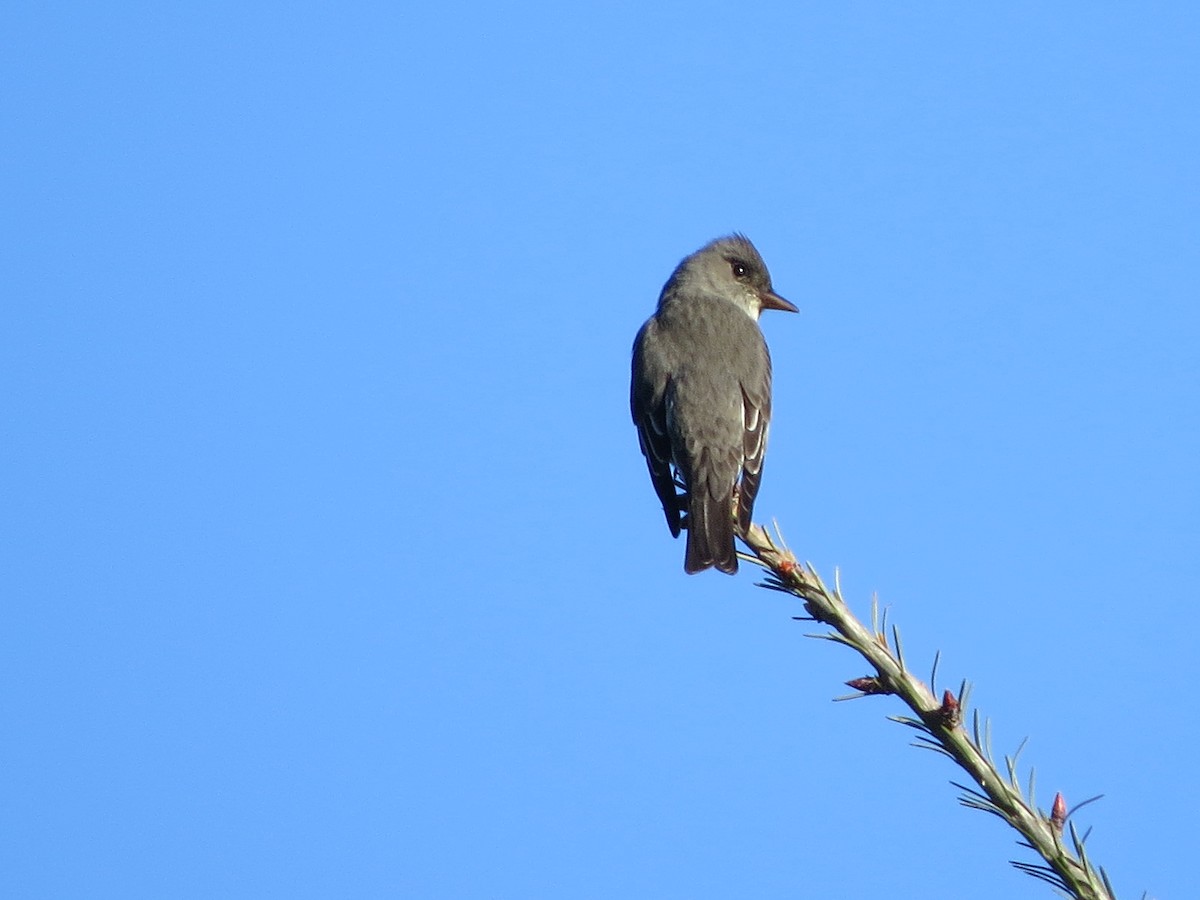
[{"x": 731, "y": 268}]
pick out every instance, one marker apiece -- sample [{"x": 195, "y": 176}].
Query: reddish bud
[
  {"x": 868, "y": 684},
  {"x": 950, "y": 712},
  {"x": 1058, "y": 813}
]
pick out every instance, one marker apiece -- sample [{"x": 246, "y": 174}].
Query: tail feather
[{"x": 710, "y": 534}]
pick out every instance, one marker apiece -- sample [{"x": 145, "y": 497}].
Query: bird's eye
[{"x": 740, "y": 271}]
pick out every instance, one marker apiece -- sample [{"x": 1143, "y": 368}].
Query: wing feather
[
  {"x": 756, "y": 418},
  {"x": 649, "y": 397}
]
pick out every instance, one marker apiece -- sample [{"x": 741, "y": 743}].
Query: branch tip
[{"x": 940, "y": 721}]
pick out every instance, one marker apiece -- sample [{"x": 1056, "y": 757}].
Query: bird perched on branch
[{"x": 701, "y": 396}]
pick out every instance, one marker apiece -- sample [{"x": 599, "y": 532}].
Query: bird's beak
[{"x": 771, "y": 300}]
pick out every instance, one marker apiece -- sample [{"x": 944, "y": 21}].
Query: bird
[{"x": 700, "y": 396}]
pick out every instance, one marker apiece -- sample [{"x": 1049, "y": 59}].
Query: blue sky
[{"x": 332, "y": 567}]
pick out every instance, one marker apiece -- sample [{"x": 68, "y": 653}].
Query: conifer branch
[{"x": 939, "y": 723}]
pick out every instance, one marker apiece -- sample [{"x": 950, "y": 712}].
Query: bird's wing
[
  {"x": 648, "y": 404},
  {"x": 756, "y": 418}
]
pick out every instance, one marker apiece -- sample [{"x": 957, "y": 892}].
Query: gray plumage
[{"x": 701, "y": 396}]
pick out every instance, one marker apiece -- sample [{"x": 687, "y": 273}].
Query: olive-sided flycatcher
[{"x": 701, "y": 396}]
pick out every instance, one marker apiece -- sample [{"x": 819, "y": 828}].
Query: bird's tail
[{"x": 710, "y": 534}]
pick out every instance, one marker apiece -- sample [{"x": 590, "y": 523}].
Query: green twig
[{"x": 939, "y": 721}]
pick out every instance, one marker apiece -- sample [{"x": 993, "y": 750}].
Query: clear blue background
[{"x": 330, "y": 565}]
